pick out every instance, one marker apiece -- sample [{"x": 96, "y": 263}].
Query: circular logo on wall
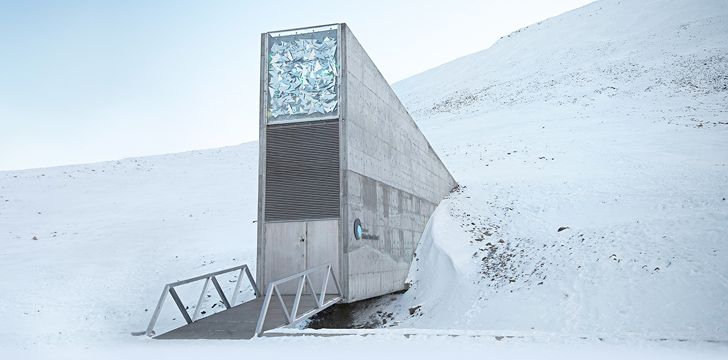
[{"x": 358, "y": 230}]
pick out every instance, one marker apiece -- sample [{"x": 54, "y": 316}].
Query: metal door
[
  {"x": 322, "y": 248},
  {"x": 285, "y": 251},
  {"x": 292, "y": 247}
]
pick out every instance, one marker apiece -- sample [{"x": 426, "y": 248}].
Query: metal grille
[{"x": 302, "y": 171}]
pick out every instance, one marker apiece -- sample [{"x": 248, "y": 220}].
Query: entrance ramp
[{"x": 275, "y": 309}]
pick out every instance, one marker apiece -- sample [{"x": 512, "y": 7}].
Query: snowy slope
[
  {"x": 87, "y": 248},
  {"x": 670, "y": 52},
  {"x": 611, "y": 120}
]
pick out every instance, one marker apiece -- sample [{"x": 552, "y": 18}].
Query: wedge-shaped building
[{"x": 346, "y": 177}]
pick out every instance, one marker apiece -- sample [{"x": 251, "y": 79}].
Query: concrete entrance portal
[{"x": 345, "y": 175}]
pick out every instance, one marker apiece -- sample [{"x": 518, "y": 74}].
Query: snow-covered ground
[
  {"x": 87, "y": 248},
  {"x": 386, "y": 346},
  {"x": 610, "y": 121}
]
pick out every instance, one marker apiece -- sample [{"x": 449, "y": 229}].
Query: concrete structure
[{"x": 346, "y": 177}]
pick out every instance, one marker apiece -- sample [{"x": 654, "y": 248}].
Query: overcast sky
[{"x": 85, "y": 81}]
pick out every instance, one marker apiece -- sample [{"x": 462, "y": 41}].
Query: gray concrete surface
[{"x": 393, "y": 179}]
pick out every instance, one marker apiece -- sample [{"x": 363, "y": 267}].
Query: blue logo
[
  {"x": 358, "y": 230},
  {"x": 361, "y": 233}
]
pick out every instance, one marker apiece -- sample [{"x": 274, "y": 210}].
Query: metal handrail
[
  {"x": 209, "y": 277},
  {"x": 303, "y": 280}
]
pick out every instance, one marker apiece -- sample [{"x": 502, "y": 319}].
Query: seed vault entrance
[
  {"x": 346, "y": 177},
  {"x": 346, "y": 185}
]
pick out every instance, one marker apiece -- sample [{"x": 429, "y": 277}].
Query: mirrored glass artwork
[{"x": 302, "y": 75}]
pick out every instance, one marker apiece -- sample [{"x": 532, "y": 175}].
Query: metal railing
[
  {"x": 210, "y": 277},
  {"x": 304, "y": 279}
]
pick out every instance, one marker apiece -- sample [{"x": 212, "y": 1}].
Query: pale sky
[{"x": 86, "y": 81}]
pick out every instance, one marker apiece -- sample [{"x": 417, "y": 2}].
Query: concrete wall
[{"x": 392, "y": 180}]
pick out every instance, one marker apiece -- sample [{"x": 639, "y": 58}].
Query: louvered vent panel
[{"x": 302, "y": 171}]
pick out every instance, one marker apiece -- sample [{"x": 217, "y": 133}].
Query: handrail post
[
  {"x": 324, "y": 287},
  {"x": 181, "y": 306},
  {"x": 264, "y": 310},
  {"x": 336, "y": 282},
  {"x": 283, "y": 303},
  {"x": 313, "y": 292},
  {"x": 297, "y": 300},
  {"x": 201, "y": 299},
  {"x": 155, "y": 315},
  {"x": 237, "y": 287},
  {"x": 220, "y": 292},
  {"x": 252, "y": 281}
]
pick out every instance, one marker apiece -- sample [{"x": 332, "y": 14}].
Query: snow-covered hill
[
  {"x": 666, "y": 57},
  {"x": 86, "y": 249},
  {"x": 610, "y": 121}
]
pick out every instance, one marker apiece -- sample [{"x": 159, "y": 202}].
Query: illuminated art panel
[{"x": 302, "y": 76}]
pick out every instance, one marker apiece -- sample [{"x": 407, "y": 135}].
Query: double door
[{"x": 292, "y": 247}]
